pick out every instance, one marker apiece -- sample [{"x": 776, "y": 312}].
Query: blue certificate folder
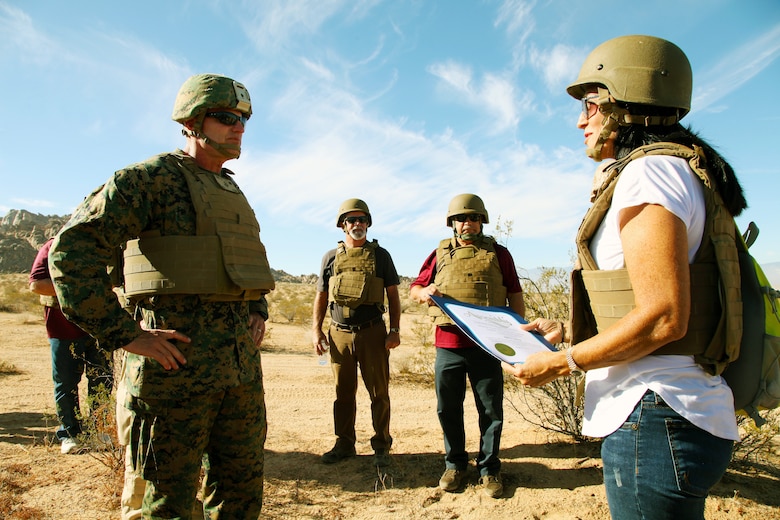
[{"x": 495, "y": 329}]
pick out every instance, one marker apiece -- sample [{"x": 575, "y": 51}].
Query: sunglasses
[
  {"x": 471, "y": 217},
  {"x": 228, "y": 118},
  {"x": 589, "y": 108},
  {"x": 352, "y": 220}
]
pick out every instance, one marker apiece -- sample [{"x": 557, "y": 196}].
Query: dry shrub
[
  {"x": 14, "y": 481},
  {"x": 8, "y": 369},
  {"x": 15, "y": 295},
  {"x": 554, "y": 406},
  {"x": 419, "y": 368},
  {"x": 291, "y": 303},
  {"x": 759, "y": 446}
]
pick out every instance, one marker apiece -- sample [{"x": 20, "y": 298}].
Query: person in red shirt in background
[
  {"x": 470, "y": 267},
  {"x": 73, "y": 352}
]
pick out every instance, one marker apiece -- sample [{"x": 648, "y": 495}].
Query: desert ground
[{"x": 546, "y": 476}]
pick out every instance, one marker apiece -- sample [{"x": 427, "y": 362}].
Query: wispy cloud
[
  {"x": 273, "y": 24},
  {"x": 517, "y": 17},
  {"x": 22, "y": 39},
  {"x": 736, "y": 68},
  {"x": 556, "y": 65},
  {"x": 493, "y": 94}
]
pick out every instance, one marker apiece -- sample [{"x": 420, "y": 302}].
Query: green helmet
[
  {"x": 638, "y": 69},
  {"x": 464, "y": 204},
  {"x": 204, "y": 92},
  {"x": 350, "y": 205}
]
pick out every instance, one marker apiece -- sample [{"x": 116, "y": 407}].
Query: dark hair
[{"x": 633, "y": 136}]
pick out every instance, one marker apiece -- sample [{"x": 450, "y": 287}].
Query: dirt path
[{"x": 545, "y": 477}]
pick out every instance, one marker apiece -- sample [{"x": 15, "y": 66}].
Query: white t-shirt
[{"x": 611, "y": 393}]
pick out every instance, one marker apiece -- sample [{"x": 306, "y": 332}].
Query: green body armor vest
[
  {"x": 469, "y": 273},
  {"x": 354, "y": 281},
  {"x": 601, "y": 297},
  {"x": 224, "y": 261}
]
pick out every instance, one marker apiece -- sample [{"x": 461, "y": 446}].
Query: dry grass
[
  {"x": 15, "y": 295},
  {"x": 14, "y": 481}
]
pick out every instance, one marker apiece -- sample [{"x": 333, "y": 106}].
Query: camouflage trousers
[{"x": 224, "y": 431}]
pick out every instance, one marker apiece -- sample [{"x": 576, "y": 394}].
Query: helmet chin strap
[
  {"x": 469, "y": 237},
  {"x": 612, "y": 114},
  {"x": 229, "y": 150},
  {"x": 616, "y": 116}
]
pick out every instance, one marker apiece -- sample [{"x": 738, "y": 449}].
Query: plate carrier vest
[
  {"x": 601, "y": 297},
  {"x": 469, "y": 273},
  {"x": 354, "y": 281},
  {"x": 224, "y": 261}
]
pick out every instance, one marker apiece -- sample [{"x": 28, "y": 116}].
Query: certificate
[{"x": 495, "y": 329}]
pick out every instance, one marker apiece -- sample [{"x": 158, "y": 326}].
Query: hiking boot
[
  {"x": 491, "y": 485},
  {"x": 452, "y": 479},
  {"x": 382, "y": 458},
  {"x": 69, "y": 446},
  {"x": 337, "y": 454}
]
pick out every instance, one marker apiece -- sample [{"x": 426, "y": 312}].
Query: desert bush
[
  {"x": 554, "y": 406},
  {"x": 15, "y": 480},
  {"x": 291, "y": 303},
  {"x": 8, "y": 369},
  {"x": 15, "y": 294},
  {"x": 758, "y": 445},
  {"x": 419, "y": 368}
]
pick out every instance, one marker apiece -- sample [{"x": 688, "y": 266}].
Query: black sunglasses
[
  {"x": 472, "y": 217},
  {"x": 228, "y": 118},
  {"x": 352, "y": 220}
]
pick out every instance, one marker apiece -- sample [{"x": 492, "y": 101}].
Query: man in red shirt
[
  {"x": 472, "y": 268},
  {"x": 73, "y": 352}
]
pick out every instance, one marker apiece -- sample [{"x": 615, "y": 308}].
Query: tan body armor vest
[
  {"x": 601, "y": 297},
  {"x": 354, "y": 281},
  {"x": 470, "y": 274},
  {"x": 224, "y": 261}
]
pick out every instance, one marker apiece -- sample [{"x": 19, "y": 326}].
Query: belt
[{"x": 355, "y": 328}]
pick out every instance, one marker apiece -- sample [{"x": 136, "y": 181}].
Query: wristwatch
[
  {"x": 395, "y": 329},
  {"x": 574, "y": 368}
]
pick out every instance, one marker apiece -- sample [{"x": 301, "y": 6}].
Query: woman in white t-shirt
[{"x": 668, "y": 424}]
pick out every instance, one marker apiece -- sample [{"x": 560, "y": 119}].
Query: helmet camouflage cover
[
  {"x": 350, "y": 205},
  {"x": 464, "y": 204},
  {"x": 204, "y": 92}
]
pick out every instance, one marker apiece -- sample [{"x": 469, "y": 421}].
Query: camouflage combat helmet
[
  {"x": 632, "y": 72},
  {"x": 350, "y": 205},
  {"x": 206, "y": 92},
  {"x": 464, "y": 204}
]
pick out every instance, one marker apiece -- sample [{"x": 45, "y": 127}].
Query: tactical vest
[
  {"x": 224, "y": 261},
  {"x": 469, "y": 273},
  {"x": 601, "y": 297},
  {"x": 354, "y": 281}
]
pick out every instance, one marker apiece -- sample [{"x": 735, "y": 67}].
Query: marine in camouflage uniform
[{"x": 193, "y": 374}]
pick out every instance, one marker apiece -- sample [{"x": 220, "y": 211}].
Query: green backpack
[{"x": 754, "y": 377}]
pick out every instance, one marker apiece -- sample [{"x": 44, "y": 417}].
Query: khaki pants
[{"x": 364, "y": 348}]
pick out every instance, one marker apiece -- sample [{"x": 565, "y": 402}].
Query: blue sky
[{"x": 403, "y": 103}]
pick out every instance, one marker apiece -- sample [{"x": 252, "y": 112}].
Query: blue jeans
[
  {"x": 70, "y": 358},
  {"x": 658, "y": 465},
  {"x": 487, "y": 384}
]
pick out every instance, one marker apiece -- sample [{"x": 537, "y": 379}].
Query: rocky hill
[{"x": 22, "y": 233}]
